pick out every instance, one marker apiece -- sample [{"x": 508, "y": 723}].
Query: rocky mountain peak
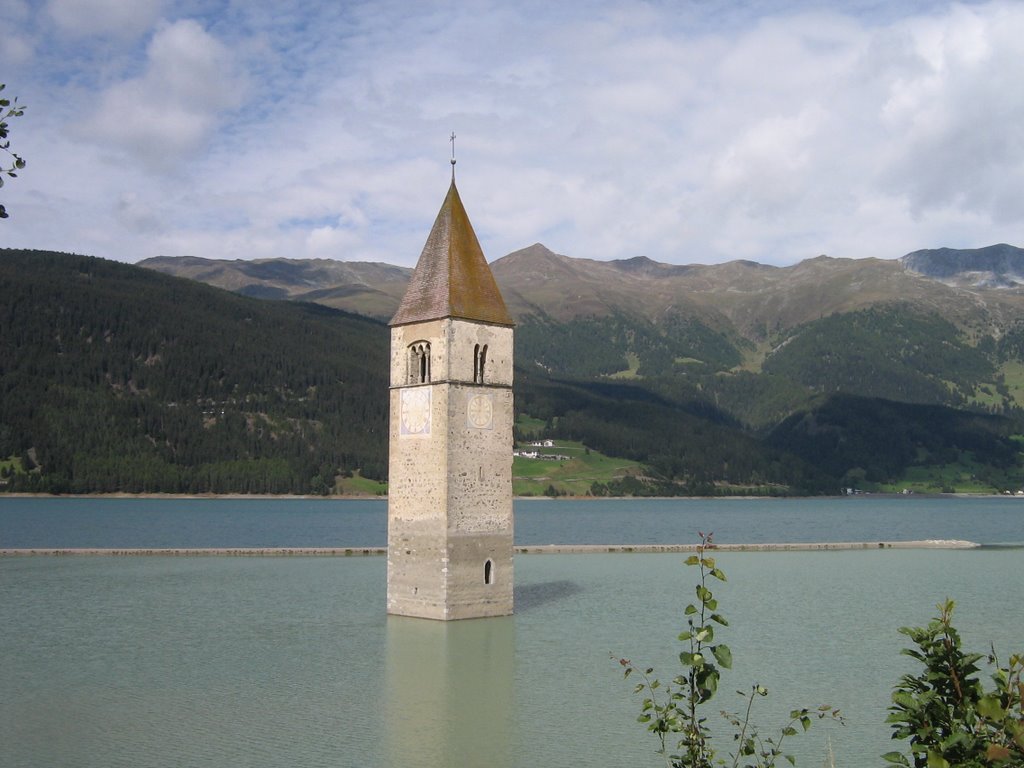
[{"x": 994, "y": 266}]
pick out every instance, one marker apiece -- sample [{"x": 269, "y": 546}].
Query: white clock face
[
  {"x": 415, "y": 412},
  {"x": 480, "y": 411}
]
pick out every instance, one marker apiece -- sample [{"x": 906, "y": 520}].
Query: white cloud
[
  {"x": 174, "y": 106},
  {"x": 105, "y": 18},
  {"x": 136, "y": 215},
  {"x": 14, "y": 50},
  {"x": 15, "y": 45},
  {"x": 329, "y": 241},
  {"x": 686, "y": 132},
  {"x": 957, "y": 115}
]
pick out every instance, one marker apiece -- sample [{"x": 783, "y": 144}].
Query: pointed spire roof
[{"x": 452, "y": 278}]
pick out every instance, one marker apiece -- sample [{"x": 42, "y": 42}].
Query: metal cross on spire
[{"x": 452, "y": 140}]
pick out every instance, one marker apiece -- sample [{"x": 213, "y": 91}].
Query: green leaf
[
  {"x": 692, "y": 560},
  {"x": 720, "y": 619},
  {"x": 991, "y": 708},
  {"x": 691, "y": 659},
  {"x": 904, "y": 699},
  {"x": 935, "y": 760},
  {"x": 896, "y": 758},
  {"x": 724, "y": 655},
  {"x": 709, "y": 682}
]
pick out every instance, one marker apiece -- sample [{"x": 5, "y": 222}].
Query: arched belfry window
[
  {"x": 488, "y": 572},
  {"x": 419, "y": 363},
  {"x": 479, "y": 361}
]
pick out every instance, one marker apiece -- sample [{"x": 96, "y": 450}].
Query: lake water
[
  {"x": 216, "y": 661},
  {"x": 178, "y": 523}
]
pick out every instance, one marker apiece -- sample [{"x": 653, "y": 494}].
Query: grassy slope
[{"x": 532, "y": 477}]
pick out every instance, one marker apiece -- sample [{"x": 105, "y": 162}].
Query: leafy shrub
[
  {"x": 678, "y": 707},
  {"x": 944, "y": 711}
]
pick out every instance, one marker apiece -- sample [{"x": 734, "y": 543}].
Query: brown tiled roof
[{"x": 452, "y": 278}]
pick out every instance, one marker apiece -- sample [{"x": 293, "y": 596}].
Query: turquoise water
[
  {"x": 102, "y": 522},
  {"x": 206, "y": 661}
]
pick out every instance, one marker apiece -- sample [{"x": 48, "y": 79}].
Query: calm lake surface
[
  {"x": 188, "y": 523},
  {"x": 219, "y": 661}
]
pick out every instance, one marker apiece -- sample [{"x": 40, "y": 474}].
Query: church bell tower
[{"x": 450, "y": 457}]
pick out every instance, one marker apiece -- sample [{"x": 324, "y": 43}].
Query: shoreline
[
  {"x": 384, "y": 497},
  {"x": 537, "y": 549}
]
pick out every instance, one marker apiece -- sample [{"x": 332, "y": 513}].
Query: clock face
[
  {"x": 480, "y": 411},
  {"x": 415, "y": 412}
]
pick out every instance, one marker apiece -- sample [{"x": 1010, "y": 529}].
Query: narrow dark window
[
  {"x": 488, "y": 572},
  {"x": 419, "y": 363},
  {"x": 479, "y": 360}
]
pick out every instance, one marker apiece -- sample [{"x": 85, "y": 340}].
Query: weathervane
[{"x": 452, "y": 140}]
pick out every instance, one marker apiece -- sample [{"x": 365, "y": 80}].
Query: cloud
[
  {"x": 137, "y": 216},
  {"x": 15, "y": 47},
  {"x": 105, "y": 18},
  {"x": 956, "y": 117},
  {"x": 686, "y": 132},
  {"x": 328, "y": 241},
  {"x": 167, "y": 113},
  {"x": 14, "y": 50}
]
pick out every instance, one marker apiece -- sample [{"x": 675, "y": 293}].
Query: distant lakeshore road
[{"x": 542, "y": 549}]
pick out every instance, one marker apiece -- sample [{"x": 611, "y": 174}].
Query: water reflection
[
  {"x": 449, "y": 692},
  {"x": 530, "y": 596}
]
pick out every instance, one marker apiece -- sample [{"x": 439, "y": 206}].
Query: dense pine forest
[{"x": 115, "y": 378}]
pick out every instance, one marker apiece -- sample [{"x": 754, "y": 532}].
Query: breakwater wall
[{"x": 539, "y": 549}]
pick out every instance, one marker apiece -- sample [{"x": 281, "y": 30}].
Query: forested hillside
[
  {"x": 913, "y": 393},
  {"x": 859, "y": 439},
  {"x": 688, "y": 446},
  {"x": 891, "y": 351},
  {"x": 118, "y": 378},
  {"x": 115, "y": 378}
]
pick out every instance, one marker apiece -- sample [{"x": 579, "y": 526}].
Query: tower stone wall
[{"x": 450, "y": 517}]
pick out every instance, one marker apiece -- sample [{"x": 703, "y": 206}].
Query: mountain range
[
  {"x": 731, "y": 378},
  {"x": 977, "y": 285},
  {"x": 766, "y": 350},
  {"x": 728, "y": 317}
]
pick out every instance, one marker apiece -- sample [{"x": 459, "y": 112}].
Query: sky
[{"x": 696, "y": 131}]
